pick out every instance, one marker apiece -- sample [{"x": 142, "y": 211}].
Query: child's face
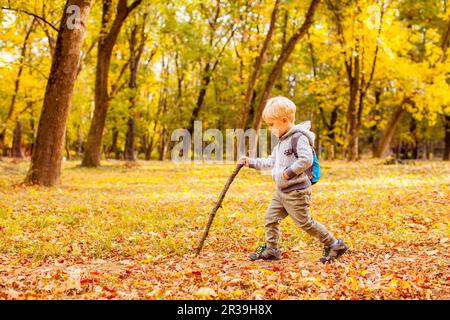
[{"x": 279, "y": 126}]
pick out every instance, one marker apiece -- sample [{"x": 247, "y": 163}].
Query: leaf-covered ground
[{"x": 128, "y": 232}]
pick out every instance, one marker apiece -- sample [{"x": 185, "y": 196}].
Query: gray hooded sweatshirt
[{"x": 283, "y": 159}]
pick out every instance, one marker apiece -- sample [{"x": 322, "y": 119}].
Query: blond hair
[{"x": 278, "y": 107}]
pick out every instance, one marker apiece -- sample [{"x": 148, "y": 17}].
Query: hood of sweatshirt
[{"x": 303, "y": 127}]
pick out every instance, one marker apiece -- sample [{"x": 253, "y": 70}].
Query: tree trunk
[
  {"x": 45, "y": 167},
  {"x": 206, "y": 79},
  {"x": 135, "y": 57},
  {"x": 354, "y": 65},
  {"x": 352, "y": 111},
  {"x": 145, "y": 146},
  {"x": 318, "y": 131},
  {"x": 331, "y": 134},
  {"x": 161, "y": 110},
  {"x": 148, "y": 153},
  {"x": 79, "y": 141},
  {"x": 385, "y": 142},
  {"x": 113, "y": 148},
  {"x": 444, "y": 45},
  {"x": 104, "y": 52},
  {"x": 32, "y": 135},
  {"x": 162, "y": 135},
  {"x": 258, "y": 67},
  {"x": 447, "y": 138},
  {"x": 415, "y": 142},
  {"x": 280, "y": 81},
  {"x": 67, "y": 147},
  {"x": 129, "y": 153},
  {"x": 397, "y": 151},
  {"x": 373, "y": 138},
  {"x": 17, "y": 151},
  {"x": 352, "y": 133},
  {"x": 162, "y": 144},
  {"x": 16, "y": 87},
  {"x": 210, "y": 66},
  {"x": 428, "y": 149},
  {"x": 276, "y": 70}
]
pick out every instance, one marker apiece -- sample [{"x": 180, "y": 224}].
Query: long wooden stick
[{"x": 217, "y": 206}]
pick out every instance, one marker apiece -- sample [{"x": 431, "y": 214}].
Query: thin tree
[
  {"x": 16, "y": 149},
  {"x": 354, "y": 60},
  {"x": 212, "y": 61},
  {"x": 136, "y": 51},
  {"x": 259, "y": 62},
  {"x": 446, "y": 119},
  {"x": 106, "y": 43},
  {"x": 385, "y": 142},
  {"x": 445, "y": 40},
  {"x": 278, "y": 67},
  {"x": 12, "y": 104}
]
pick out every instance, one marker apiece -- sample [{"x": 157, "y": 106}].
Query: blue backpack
[{"x": 313, "y": 172}]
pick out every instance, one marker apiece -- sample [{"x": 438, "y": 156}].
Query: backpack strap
[{"x": 294, "y": 143}]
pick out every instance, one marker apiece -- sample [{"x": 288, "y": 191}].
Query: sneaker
[
  {"x": 264, "y": 253},
  {"x": 333, "y": 252}
]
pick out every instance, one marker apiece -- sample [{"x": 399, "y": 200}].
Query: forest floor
[{"x": 129, "y": 231}]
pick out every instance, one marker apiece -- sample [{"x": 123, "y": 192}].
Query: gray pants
[{"x": 296, "y": 205}]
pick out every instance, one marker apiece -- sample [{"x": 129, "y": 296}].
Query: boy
[{"x": 293, "y": 192}]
